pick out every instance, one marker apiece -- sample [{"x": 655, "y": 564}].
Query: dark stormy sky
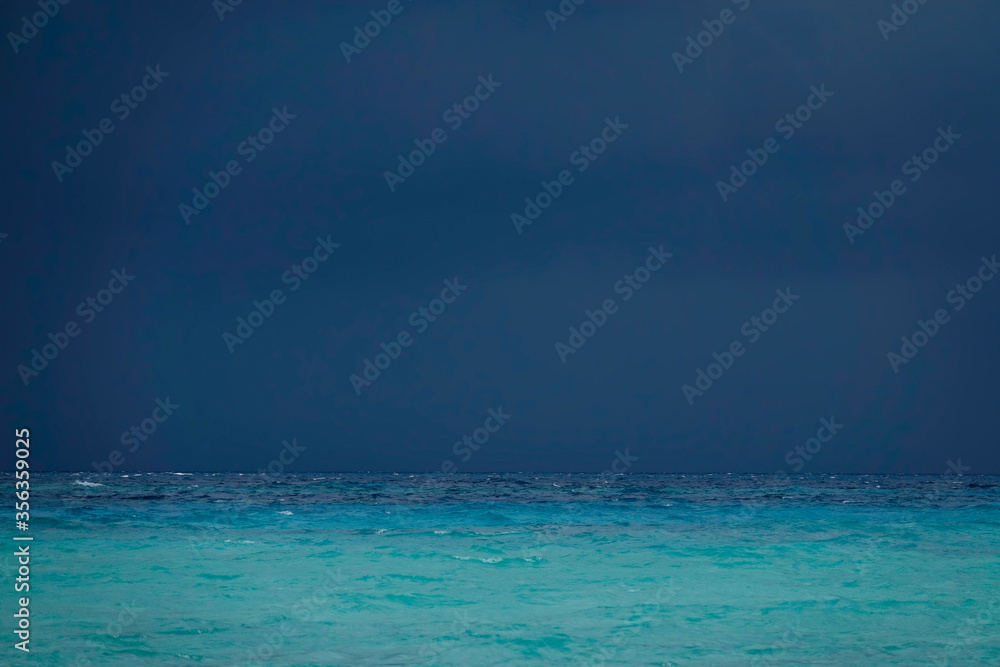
[{"x": 322, "y": 176}]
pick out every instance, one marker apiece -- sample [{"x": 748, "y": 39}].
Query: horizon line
[{"x": 494, "y": 472}]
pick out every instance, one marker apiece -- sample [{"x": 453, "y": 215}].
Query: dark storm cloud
[{"x": 323, "y": 177}]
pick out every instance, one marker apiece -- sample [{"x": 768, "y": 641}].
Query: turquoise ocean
[{"x": 509, "y": 569}]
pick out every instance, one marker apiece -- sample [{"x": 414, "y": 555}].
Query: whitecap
[
  {"x": 285, "y": 512},
  {"x": 481, "y": 560},
  {"x": 86, "y": 483}
]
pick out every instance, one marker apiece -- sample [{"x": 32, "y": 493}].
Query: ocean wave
[{"x": 491, "y": 560}]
